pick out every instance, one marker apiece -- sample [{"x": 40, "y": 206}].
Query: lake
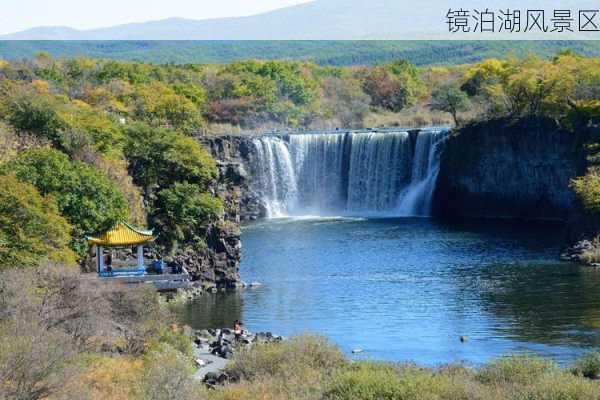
[{"x": 409, "y": 288}]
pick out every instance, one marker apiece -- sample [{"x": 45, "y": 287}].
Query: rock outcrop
[
  {"x": 235, "y": 154},
  {"x": 516, "y": 170},
  {"x": 217, "y": 264}
]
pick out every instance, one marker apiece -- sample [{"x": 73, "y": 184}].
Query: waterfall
[
  {"x": 416, "y": 198},
  {"x": 356, "y": 173},
  {"x": 275, "y": 176},
  {"x": 379, "y": 169}
]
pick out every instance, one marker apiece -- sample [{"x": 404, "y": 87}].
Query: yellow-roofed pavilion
[{"x": 121, "y": 235}]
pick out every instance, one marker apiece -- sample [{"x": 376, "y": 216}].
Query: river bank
[
  {"x": 309, "y": 367},
  {"x": 408, "y": 289}
]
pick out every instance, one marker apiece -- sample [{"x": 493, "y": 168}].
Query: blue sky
[{"x": 17, "y": 15}]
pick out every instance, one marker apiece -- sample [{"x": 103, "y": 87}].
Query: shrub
[
  {"x": 370, "y": 381},
  {"x": 168, "y": 375},
  {"x": 141, "y": 315},
  {"x": 115, "y": 378},
  {"x": 31, "y": 228},
  {"x": 587, "y": 189},
  {"x": 292, "y": 357},
  {"x": 35, "y": 113},
  {"x": 517, "y": 369},
  {"x": 561, "y": 386},
  {"x": 588, "y": 365},
  {"x": 34, "y": 361},
  {"x": 56, "y": 297}
]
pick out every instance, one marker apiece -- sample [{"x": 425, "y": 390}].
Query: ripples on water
[{"x": 407, "y": 289}]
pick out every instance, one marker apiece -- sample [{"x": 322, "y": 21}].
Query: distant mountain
[
  {"x": 320, "y": 19},
  {"x": 46, "y": 33}
]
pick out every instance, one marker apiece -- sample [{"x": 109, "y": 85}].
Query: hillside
[
  {"x": 321, "y": 19},
  {"x": 339, "y": 53}
]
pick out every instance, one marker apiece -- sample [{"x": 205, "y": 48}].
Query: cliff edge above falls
[
  {"x": 521, "y": 170},
  {"x": 217, "y": 265},
  {"x": 234, "y": 156}
]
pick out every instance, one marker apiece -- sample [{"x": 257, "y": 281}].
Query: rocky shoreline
[
  {"x": 584, "y": 252},
  {"x": 214, "y": 349}
]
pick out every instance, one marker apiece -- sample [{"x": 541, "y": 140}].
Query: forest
[
  {"x": 85, "y": 143},
  {"x": 322, "y": 52},
  {"x": 94, "y": 142}
]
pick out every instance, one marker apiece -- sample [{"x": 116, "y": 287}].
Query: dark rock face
[
  {"x": 217, "y": 265},
  {"x": 498, "y": 169},
  {"x": 234, "y": 155}
]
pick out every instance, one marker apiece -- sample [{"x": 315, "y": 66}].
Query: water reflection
[
  {"x": 558, "y": 304},
  {"x": 407, "y": 289},
  {"x": 214, "y": 310}
]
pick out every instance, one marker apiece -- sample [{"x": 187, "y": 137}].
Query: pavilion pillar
[
  {"x": 140, "y": 256},
  {"x": 100, "y": 258}
]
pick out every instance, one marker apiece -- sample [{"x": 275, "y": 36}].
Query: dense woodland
[
  {"x": 85, "y": 143},
  {"x": 322, "y": 52},
  {"x": 94, "y": 142}
]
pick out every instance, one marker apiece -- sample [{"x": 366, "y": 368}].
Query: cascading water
[
  {"x": 416, "y": 198},
  {"x": 357, "y": 173}
]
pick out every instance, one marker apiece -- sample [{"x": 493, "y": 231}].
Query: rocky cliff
[
  {"x": 235, "y": 155},
  {"x": 502, "y": 169},
  {"x": 217, "y": 265}
]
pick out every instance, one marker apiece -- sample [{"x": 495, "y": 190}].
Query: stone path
[{"x": 215, "y": 364}]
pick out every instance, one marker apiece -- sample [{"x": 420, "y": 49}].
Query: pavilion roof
[{"x": 123, "y": 234}]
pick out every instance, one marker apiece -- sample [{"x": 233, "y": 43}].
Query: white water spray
[{"x": 358, "y": 173}]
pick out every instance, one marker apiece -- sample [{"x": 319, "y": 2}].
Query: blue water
[{"x": 407, "y": 289}]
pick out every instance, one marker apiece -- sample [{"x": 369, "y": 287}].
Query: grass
[{"x": 310, "y": 368}]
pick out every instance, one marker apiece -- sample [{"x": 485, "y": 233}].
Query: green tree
[
  {"x": 451, "y": 100},
  {"x": 160, "y": 105},
  {"x": 182, "y": 211},
  {"x": 159, "y": 157},
  {"x": 85, "y": 196},
  {"x": 34, "y": 113},
  {"x": 31, "y": 229}
]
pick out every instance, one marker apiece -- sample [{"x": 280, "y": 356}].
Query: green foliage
[
  {"x": 85, "y": 196},
  {"x": 182, "y": 210},
  {"x": 35, "y": 113},
  {"x": 160, "y": 105},
  {"x": 323, "y": 52},
  {"x": 588, "y": 365},
  {"x": 560, "y": 386},
  {"x": 587, "y": 188},
  {"x": 520, "y": 369},
  {"x": 564, "y": 88},
  {"x": 108, "y": 113},
  {"x": 372, "y": 381},
  {"x": 292, "y": 357},
  {"x": 31, "y": 229},
  {"x": 95, "y": 127},
  {"x": 159, "y": 157},
  {"x": 450, "y": 99}
]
